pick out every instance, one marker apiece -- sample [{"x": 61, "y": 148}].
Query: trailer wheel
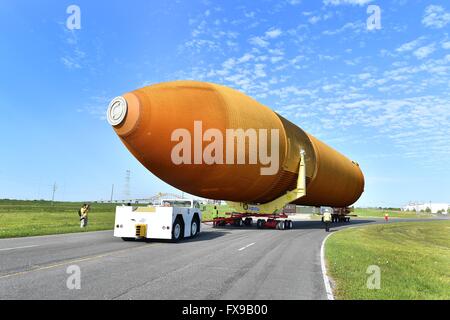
[
  {"x": 195, "y": 226},
  {"x": 288, "y": 224},
  {"x": 260, "y": 223},
  {"x": 281, "y": 225},
  {"x": 177, "y": 230},
  {"x": 248, "y": 221}
]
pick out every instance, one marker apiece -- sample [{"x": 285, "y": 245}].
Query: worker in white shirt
[{"x": 327, "y": 219}]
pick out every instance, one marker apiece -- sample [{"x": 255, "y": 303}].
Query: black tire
[
  {"x": 177, "y": 230},
  {"x": 248, "y": 221},
  {"x": 259, "y": 223},
  {"x": 195, "y": 227},
  {"x": 291, "y": 224},
  {"x": 128, "y": 239},
  {"x": 281, "y": 225}
]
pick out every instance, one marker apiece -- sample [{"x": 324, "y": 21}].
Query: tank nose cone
[
  {"x": 124, "y": 114},
  {"x": 117, "y": 111}
]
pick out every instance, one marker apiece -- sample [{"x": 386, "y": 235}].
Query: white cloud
[
  {"x": 364, "y": 76},
  {"x": 258, "y": 41},
  {"x": 347, "y": 26},
  {"x": 435, "y": 17},
  {"x": 73, "y": 57},
  {"x": 273, "y": 33},
  {"x": 343, "y": 2},
  {"x": 314, "y": 19},
  {"x": 245, "y": 58},
  {"x": 425, "y": 51},
  {"x": 70, "y": 63},
  {"x": 446, "y": 45},
  {"x": 409, "y": 46}
]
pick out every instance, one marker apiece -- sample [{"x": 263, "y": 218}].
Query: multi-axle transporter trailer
[
  {"x": 341, "y": 214},
  {"x": 271, "y": 221}
]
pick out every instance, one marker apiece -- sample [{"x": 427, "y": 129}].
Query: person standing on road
[
  {"x": 216, "y": 211},
  {"x": 327, "y": 219},
  {"x": 386, "y": 217},
  {"x": 84, "y": 215}
]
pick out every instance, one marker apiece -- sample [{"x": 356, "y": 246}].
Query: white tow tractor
[{"x": 173, "y": 219}]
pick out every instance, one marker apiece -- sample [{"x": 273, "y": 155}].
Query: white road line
[
  {"x": 17, "y": 248},
  {"x": 326, "y": 280},
  {"x": 249, "y": 245}
]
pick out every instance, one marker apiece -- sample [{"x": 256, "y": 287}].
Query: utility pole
[
  {"x": 112, "y": 193},
  {"x": 55, "y": 187}
]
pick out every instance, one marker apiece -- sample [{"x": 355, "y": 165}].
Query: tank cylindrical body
[{"x": 146, "y": 119}]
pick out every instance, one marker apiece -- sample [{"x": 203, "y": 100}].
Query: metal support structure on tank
[
  {"x": 273, "y": 219},
  {"x": 279, "y": 203},
  {"x": 275, "y": 206}
]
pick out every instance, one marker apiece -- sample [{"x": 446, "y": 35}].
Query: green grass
[
  {"x": 208, "y": 212},
  {"x": 379, "y": 213},
  {"x": 33, "y": 218},
  {"x": 414, "y": 259}
]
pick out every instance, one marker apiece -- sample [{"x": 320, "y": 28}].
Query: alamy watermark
[
  {"x": 374, "y": 279},
  {"x": 74, "y": 280},
  {"x": 374, "y": 20},
  {"x": 73, "y": 22},
  {"x": 249, "y": 146}
]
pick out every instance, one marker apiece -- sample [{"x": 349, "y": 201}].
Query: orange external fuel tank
[{"x": 146, "y": 119}]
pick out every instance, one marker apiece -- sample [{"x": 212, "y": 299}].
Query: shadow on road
[
  {"x": 320, "y": 225},
  {"x": 203, "y": 236},
  {"x": 302, "y": 225}
]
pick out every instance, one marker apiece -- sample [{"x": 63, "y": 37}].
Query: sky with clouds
[{"x": 379, "y": 96}]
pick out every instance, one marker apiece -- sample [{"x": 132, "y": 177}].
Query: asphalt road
[{"x": 228, "y": 263}]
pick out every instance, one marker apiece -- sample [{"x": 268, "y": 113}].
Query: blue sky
[{"x": 381, "y": 97}]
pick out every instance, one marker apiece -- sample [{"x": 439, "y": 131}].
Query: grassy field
[
  {"x": 379, "y": 213},
  {"x": 32, "y": 218},
  {"x": 414, "y": 259},
  {"x": 209, "y": 213}
]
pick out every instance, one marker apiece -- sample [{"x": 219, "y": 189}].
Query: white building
[{"x": 434, "y": 207}]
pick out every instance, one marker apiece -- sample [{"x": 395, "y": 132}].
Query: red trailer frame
[{"x": 273, "y": 221}]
